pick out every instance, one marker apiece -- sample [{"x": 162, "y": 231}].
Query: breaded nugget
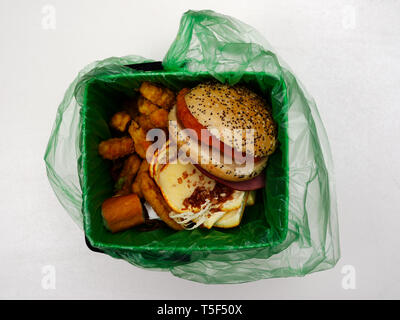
[
  {"x": 159, "y": 118},
  {"x": 115, "y": 148},
  {"x": 120, "y": 120},
  {"x": 144, "y": 122},
  {"x": 139, "y": 137},
  {"x": 146, "y": 106},
  {"x": 158, "y": 95},
  {"x": 153, "y": 196},
  {"x": 136, "y": 186},
  {"x": 144, "y": 167},
  {"x": 130, "y": 168}
]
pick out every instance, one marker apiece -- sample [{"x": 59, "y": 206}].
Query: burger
[
  {"x": 223, "y": 136},
  {"x": 220, "y": 116}
]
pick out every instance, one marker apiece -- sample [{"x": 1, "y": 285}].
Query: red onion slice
[{"x": 257, "y": 182}]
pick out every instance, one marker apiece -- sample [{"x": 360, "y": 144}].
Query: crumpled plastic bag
[{"x": 288, "y": 233}]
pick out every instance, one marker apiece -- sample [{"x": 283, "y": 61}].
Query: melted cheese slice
[
  {"x": 178, "y": 181},
  {"x": 232, "y": 218}
]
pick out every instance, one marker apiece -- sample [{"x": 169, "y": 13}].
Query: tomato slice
[
  {"x": 190, "y": 122},
  {"x": 185, "y": 116}
]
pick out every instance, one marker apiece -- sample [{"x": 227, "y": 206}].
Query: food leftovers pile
[{"x": 188, "y": 159}]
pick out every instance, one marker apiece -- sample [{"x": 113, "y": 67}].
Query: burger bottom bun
[{"x": 211, "y": 161}]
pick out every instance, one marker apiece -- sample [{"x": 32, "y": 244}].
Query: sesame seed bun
[
  {"x": 220, "y": 107},
  {"x": 214, "y": 163}
]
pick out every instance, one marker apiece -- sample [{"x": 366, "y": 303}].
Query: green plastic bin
[{"x": 263, "y": 224}]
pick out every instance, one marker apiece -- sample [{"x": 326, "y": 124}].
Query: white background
[{"x": 346, "y": 53}]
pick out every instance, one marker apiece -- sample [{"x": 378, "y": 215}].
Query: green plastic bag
[{"x": 292, "y": 230}]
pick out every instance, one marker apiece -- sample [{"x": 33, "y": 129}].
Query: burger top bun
[
  {"x": 219, "y": 107},
  {"x": 212, "y": 163}
]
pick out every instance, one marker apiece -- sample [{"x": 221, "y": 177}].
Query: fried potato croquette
[
  {"x": 159, "y": 118},
  {"x": 121, "y": 213},
  {"x": 139, "y": 138},
  {"x": 120, "y": 120},
  {"x": 115, "y": 148},
  {"x": 158, "y": 95},
  {"x": 144, "y": 167},
  {"x": 129, "y": 169},
  {"x": 146, "y": 106},
  {"x": 153, "y": 196},
  {"x": 136, "y": 186},
  {"x": 144, "y": 122}
]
